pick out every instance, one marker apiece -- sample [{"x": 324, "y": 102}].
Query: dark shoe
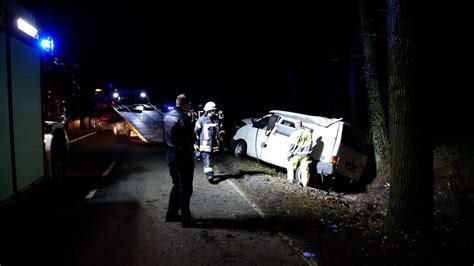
[
  {"x": 189, "y": 224},
  {"x": 173, "y": 218}
]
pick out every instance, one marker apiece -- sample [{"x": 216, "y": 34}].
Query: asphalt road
[{"x": 111, "y": 211}]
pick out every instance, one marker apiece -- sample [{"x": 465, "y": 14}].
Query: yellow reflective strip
[
  {"x": 204, "y": 148},
  {"x": 208, "y": 169}
]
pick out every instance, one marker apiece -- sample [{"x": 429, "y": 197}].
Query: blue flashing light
[
  {"x": 47, "y": 44},
  {"x": 142, "y": 94}
]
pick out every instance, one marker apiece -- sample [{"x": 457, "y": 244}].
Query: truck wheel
[
  {"x": 240, "y": 148},
  {"x": 58, "y": 163}
]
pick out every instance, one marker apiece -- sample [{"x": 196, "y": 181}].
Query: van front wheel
[{"x": 240, "y": 148}]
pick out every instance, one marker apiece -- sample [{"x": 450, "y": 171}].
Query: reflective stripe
[
  {"x": 206, "y": 130},
  {"x": 301, "y": 143},
  {"x": 205, "y": 148},
  {"x": 208, "y": 149},
  {"x": 208, "y": 169}
]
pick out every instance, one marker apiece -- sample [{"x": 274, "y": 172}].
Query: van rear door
[{"x": 352, "y": 153}]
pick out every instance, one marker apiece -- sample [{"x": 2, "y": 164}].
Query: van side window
[
  {"x": 261, "y": 123},
  {"x": 288, "y": 123},
  {"x": 285, "y": 127}
]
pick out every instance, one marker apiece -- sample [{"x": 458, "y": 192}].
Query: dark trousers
[{"x": 181, "y": 167}]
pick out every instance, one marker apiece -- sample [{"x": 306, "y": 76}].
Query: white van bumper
[{"x": 325, "y": 168}]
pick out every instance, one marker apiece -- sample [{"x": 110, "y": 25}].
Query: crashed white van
[{"x": 338, "y": 148}]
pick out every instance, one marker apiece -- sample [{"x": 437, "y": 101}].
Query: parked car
[
  {"x": 338, "y": 148},
  {"x": 105, "y": 119}
]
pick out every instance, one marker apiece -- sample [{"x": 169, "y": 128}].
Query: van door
[
  {"x": 352, "y": 153},
  {"x": 324, "y": 142},
  {"x": 275, "y": 148},
  {"x": 256, "y": 136}
]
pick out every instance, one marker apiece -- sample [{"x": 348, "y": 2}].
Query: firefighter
[
  {"x": 207, "y": 129},
  {"x": 301, "y": 142},
  {"x": 221, "y": 133}
]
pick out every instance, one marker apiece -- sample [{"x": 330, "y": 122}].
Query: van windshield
[
  {"x": 261, "y": 123},
  {"x": 354, "y": 139}
]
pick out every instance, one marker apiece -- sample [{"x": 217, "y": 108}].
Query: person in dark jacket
[{"x": 179, "y": 139}]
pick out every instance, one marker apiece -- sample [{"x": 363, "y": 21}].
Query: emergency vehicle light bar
[{"x": 27, "y": 28}]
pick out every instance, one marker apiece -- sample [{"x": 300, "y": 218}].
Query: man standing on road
[
  {"x": 179, "y": 139},
  {"x": 301, "y": 142},
  {"x": 207, "y": 130}
]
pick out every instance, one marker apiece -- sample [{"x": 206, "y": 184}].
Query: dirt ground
[{"x": 346, "y": 228}]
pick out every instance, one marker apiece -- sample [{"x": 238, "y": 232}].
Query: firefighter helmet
[{"x": 209, "y": 106}]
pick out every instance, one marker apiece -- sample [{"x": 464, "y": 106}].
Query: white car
[{"x": 338, "y": 149}]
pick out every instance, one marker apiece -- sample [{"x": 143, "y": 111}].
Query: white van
[{"x": 338, "y": 148}]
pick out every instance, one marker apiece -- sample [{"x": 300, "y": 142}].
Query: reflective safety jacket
[
  {"x": 207, "y": 129},
  {"x": 301, "y": 142}
]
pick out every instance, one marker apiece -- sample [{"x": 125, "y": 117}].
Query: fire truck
[{"x": 33, "y": 150}]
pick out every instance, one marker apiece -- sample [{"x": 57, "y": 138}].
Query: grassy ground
[{"x": 347, "y": 228}]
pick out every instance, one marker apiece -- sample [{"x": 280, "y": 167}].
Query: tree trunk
[
  {"x": 377, "y": 118},
  {"x": 411, "y": 161},
  {"x": 353, "y": 88}
]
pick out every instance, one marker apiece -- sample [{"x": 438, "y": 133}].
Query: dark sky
[
  {"x": 155, "y": 45},
  {"x": 228, "y": 53}
]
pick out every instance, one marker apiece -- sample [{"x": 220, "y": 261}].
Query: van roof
[{"x": 318, "y": 120}]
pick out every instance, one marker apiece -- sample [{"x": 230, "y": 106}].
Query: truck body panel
[{"x": 24, "y": 153}]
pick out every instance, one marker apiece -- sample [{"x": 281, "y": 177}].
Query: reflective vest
[
  {"x": 207, "y": 130},
  {"x": 301, "y": 142}
]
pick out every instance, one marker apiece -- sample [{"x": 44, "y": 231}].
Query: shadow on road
[
  {"x": 262, "y": 224},
  {"x": 219, "y": 178}
]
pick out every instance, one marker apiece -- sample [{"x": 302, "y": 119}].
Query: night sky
[{"x": 227, "y": 53}]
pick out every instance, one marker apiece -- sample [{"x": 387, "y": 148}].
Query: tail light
[
  {"x": 334, "y": 159},
  {"x": 104, "y": 118}
]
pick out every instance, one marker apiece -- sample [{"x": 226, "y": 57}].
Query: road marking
[
  {"x": 253, "y": 205},
  {"x": 91, "y": 194},
  {"x": 282, "y": 235},
  {"x": 85, "y": 136}
]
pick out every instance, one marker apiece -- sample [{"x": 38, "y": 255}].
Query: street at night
[{"x": 333, "y": 133}]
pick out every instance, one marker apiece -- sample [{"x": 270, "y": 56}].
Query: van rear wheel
[{"x": 240, "y": 148}]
